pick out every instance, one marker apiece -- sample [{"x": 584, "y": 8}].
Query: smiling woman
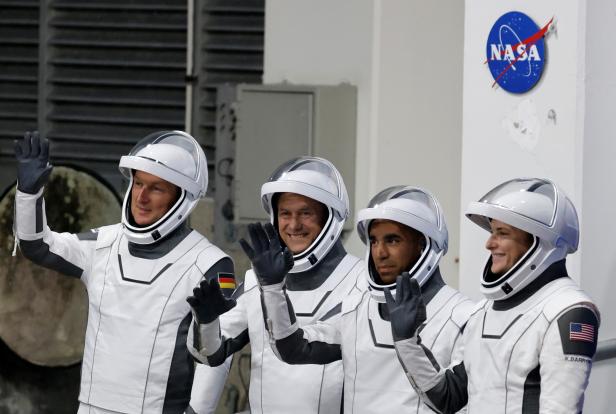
[{"x": 507, "y": 245}]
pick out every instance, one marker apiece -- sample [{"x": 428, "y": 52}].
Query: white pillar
[{"x": 575, "y": 147}]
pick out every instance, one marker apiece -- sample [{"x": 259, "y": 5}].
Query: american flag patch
[{"x": 581, "y": 332}]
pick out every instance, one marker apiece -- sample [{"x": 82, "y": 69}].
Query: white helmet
[
  {"x": 415, "y": 208},
  {"x": 536, "y": 206},
  {"x": 175, "y": 157},
  {"x": 318, "y": 179}
]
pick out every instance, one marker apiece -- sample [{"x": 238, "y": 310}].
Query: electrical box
[{"x": 261, "y": 126}]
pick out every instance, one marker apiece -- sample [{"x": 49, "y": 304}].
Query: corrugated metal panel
[
  {"x": 112, "y": 71},
  {"x": 115, "y": 71},
  {"x": 18, "y": 78},
  {"x": 229, "y": 38}
]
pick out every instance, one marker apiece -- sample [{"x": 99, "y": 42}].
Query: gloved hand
[
  {"x": 33, "y": 168},
  {"x": 208, "y": 302},
  {"x": 270, "y": 261},
  {"x": 408, "y": 311}
]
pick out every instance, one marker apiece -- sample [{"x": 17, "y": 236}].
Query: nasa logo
[{"x": 515, "y": 52}]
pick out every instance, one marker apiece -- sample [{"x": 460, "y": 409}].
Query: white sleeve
[
  {"x": 318, "y": 343},
  {"x": 212, "y": 343},
  {"x": 63, "y": 252},
  {"x": 208, "y": 385},
  {"x": 565, "y": 360},
  {"x": 443, "y": 390}
]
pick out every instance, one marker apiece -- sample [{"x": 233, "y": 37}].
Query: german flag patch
[{"x": 226, "y": 280}]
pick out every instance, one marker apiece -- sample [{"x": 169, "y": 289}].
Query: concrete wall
[
  {"x": 405, "y": 57},
  {"x": 598, "y": 254}
]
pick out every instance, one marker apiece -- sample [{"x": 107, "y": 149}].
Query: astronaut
[
  {"x": 137, "y": 273},
  {"x": 404, "y": 231},
  {"x": 528, "y": 346},
  {"x": 308, "y": 203}
]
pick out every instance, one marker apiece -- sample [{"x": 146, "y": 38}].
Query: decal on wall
[
  {"x": 523, "y": 126},
  {"x": 515, "y": 52}
]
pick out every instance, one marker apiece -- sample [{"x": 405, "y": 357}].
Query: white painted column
[
  {"x": 576, "y": 149},
  {"x": 507, "y": 135}
]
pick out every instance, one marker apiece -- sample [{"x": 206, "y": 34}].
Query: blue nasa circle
[{"x": 515, "y": 66}]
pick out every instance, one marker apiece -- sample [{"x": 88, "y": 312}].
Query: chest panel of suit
[
  {"x": 440, "y": 333},
  {"x": 373, "y": 375},
  {"x": 136, "y": 306},
  {"x": 280, "y": 387},
  {"x": 502, "y": 349}
]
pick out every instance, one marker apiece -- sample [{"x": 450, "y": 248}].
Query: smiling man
[
  {"x": 394, "y": 249},
  {"x": 404, "y": 231},
  {"x": 137, "y": 273},
  {"x": 151, "y": 197},
  {"x": 528, "y": 347},
  {"x": 300, "y": 220},
  {"x": 308, "y": 205}
]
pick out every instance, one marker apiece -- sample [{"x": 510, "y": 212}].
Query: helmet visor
[
  {"x": 312, "y": 177},
  {"x": 311, "y": 165},
  {"x": 415, "y": 195},
  {"x": 532, "y": 198},
  {"x": 173, "y": 142}
]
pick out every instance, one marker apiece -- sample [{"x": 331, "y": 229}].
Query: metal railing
[{"x": 605, "y": 350}]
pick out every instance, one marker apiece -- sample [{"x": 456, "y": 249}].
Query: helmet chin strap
[
  {"x": 319, "y": 247},
  {"x": 523, "y": 272}
]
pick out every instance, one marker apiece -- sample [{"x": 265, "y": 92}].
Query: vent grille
[
  {"x": 95, "y": 76},
  {"x": 19, "y": 35},
  {"x": 229, "y": 39}
]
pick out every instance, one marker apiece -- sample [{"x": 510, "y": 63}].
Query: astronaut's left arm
[
  {"x": 443, "y": 389},
  {"x": 565, "y": 359},
  {"x": 318, "y": 343},
  {"x": 66, "y": 253},
  {"x": 208, "y": 384},
  {"x": 209, "y": 381}
]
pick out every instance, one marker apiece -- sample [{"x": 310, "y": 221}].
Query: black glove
[
  {"x": 208, "y": 302},
  {"x": 33, "y": 166},
  {"x": 270, "y": 261},
  {"x": 408, "y": 311}
]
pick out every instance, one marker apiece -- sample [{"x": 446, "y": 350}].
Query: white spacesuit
[
  {"x": 528, "y": 348},
  {"x": 361, "y": 335},
  {"x": 321, "y": 276},
  {"x": 137, "y": 278}
]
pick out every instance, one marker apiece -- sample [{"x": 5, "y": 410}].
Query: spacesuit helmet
[
  {"x": 318, "y": 179},
  {"x": 415, "y": 208},
  {"x": 176, "y": 157},
  {"x": 538, "y": 207}
]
